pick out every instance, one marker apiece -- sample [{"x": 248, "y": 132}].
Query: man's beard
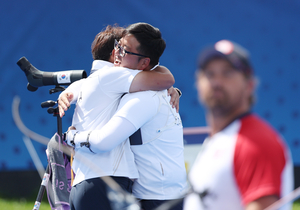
[{"x": 220, "y": 105}]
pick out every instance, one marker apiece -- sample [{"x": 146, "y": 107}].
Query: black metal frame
[{"x": 55, "y": 111}]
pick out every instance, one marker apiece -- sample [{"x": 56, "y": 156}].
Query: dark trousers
[
  {"x": 92, "y": 193},
  {"x": 152, "y": 204}
]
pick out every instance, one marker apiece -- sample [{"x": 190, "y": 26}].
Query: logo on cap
[{"x": 224, "y": 46}]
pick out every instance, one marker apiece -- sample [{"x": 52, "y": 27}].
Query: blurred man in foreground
[{"x": 244, "y": 163}]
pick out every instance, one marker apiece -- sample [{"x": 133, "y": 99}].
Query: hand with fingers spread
[
  {"x": 64, "y": 102},
  {"x": 174, "y": 101}
]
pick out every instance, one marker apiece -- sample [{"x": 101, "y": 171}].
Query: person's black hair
[
  {"x": 151, "y": 42},
  {"x": 103, "y": 43}
]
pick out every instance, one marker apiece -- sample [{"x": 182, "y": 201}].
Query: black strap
[
  {"x": 73, "y": 140},
  {"x": 87, "y": 143}
]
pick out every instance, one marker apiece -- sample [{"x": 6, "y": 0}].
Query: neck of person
[{"x": 218, "y": 120}]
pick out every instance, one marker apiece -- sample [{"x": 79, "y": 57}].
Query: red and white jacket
[{"x": 243, "y": 162}]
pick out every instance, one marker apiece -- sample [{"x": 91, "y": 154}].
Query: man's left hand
[{"x": 174, "y": 101}]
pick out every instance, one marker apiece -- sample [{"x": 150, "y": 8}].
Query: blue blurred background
[{"x": 57, "y": 35}]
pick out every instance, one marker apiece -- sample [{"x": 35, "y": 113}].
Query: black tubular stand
[{"x": 55, "y": 111}]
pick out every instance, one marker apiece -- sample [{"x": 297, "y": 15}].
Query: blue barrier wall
[{"x": 57, "y": 35}]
